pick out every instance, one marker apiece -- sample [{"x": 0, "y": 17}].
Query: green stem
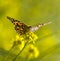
[
  {"x": 20, "y": 51},
  {"x": 6, "y": 57}
]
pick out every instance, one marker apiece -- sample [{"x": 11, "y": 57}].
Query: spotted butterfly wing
[{"x": 22, "y": 28}]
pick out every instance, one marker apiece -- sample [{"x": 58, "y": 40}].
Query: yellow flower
[
  {"x": 31, "y": 37},
  {"x": 32, "y": 51},
  {"x": 19, "y": 37},
  {"x": 18, "y": 41}
]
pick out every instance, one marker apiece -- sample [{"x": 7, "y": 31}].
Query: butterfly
[{"x": 22, "y": 28}]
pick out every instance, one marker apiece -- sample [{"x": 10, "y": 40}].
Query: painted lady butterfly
[{"x": 22, "y": 28}]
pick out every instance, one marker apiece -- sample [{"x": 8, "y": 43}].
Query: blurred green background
[{"x": 32, "y": 12}]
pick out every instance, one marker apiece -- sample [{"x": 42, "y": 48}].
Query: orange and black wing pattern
[{"x": 20, "y": 27}]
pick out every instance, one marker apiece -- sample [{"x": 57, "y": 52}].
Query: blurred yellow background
[{"x": 32, "y": 12}]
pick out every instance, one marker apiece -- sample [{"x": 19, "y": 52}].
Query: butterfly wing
[
  {"x": 20, "y": 27},
  {"x": 34, "y": 28}
]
